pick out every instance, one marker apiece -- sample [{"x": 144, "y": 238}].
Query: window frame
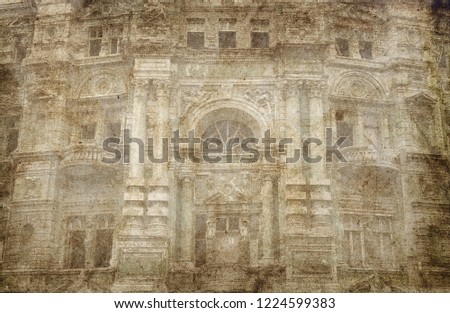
[{"x": 364, "y": 231}]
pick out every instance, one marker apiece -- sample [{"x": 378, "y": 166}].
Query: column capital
[
  {"x": 270, "y": 176},
  {"x": 314, "y": 88},
  {"x": 290, "y": 87},
  {"x": 139, "y": 82},
  {"x": 163, "y": 87},
  {"x": 186, "y": 176}
]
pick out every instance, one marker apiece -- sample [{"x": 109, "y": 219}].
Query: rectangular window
[
  {"x": 221, "y": 224},
  {"x": 1, "y": 250},
  {"x": 115, "y": 45},
  {"x": 113, "y": 130},
  {"x": 196, "y": 33},
  {"x": 368, "y": 241},
  {"x": 77, "y": 249},
  {"x": 12, "y": 141},
  {"x": 344, "y": 127},
  {"x": 342, "y": 47},
  {"x": 103, "y": 247},
  {"x": 227, "y": 224},
  {"x": 200, "y": 239},
  {"x": 260, "y": 40},
  {"x": 442, "y": 60},
  {"x": 116, "y": 35},
  {"x": 233, "y": 223},
  {"x": 372, "y": 130},
  {"x": 365, "y": 50},
  {"x": 227, "y": 39},
  {"x": 20, "y": 48},
  {"x": 95, "y": 41},
  {"x": 88, "y": 131},
  {"x": 196, "y": 40}
]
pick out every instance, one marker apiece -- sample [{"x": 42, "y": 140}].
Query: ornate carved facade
[{"x": 74, "y": 73}]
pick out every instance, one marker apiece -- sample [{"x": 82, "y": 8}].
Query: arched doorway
[{"x": 230, "y": 209}]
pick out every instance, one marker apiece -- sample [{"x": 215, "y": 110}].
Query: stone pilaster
[
  {"x": 134, "y": 198},
  {"x": 162, "y": 91},
  {"x": 317, "y": 130},
  {"x": 186, "y": 239},
  {"x": 267, "y": 220}
]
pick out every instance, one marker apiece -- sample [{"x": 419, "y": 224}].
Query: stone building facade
[{"x": 74, "y": 73}]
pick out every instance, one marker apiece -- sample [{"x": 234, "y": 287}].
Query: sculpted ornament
[
  {"x": 154, "y": 10},
  {"x": 262, "y": 98},
  {"x": 193, "y": 97},
  {"x": 243, "y": 228},
  {"x": 210, "y": 229},
  {"x": 315, "y": 87}
]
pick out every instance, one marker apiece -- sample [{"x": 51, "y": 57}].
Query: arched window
[{"x": 225, "y": 130}]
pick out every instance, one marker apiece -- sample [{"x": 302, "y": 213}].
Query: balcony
[
  {"x": 85, "y": 153},
  {"x": 365, "y": 155},
  {"x": 225, "y": 3},
  {"x": 84, "y": 160}
]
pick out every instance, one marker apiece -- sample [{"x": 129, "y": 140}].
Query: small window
[
  {"x": 12, "y": 141},
  {"x": 227, "y": 39},
  {"x": 365, "y": 49},
  {"x": 20, "y": 48},
  {"x": 344, "y": 128},
  {"x": 103, "y": 247},
  {"x": 95, "y": 41},
  {"x": 115, "y": 45},
  {"x": 88, "y": 132},
  {"x": 233, "y": 223},
  {"x": 372, "y": 130},
  {"x": 77, "y": 249},
  {"x": 113, "y": 130},
  {"x": 342, "y": 47},
  {"x": 116, "y": 35},
  {"x": 227, "y": 224},
  {"x": 260, "y": 40},
  {"x": 221, "y": 225},
  {"x": 1, "y": 250},
  {"x": 196, "y": 40},
  {"x": 87, "y": 3},
  {"x": 442, "y": 60}
]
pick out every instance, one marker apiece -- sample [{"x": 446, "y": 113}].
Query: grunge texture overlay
[{"x": 76, "y": 73}]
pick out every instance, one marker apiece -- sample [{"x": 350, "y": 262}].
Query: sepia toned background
[{"x": 73, "y": 73}]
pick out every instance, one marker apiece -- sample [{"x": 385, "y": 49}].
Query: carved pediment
[
  {"x": 96, "y": 10},
  {"x": 225, "y": 198},
  {"x": 358, "y": 87},
  {"x": 420, "y": 101},
  {"x": 154, "y": 11},
  {"x": 41, "y": 94},
  {"x": 347, "y": 15},
  {"x": 100, "y": 85}
]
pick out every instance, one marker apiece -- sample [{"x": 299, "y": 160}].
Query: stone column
[
  {"x": 317, "y": 129},
  {"x": 359, "y": 130},
  {"x": 163, "y": 89},
  {"x": 385, "y": 132},
  {"x": 267, "y": 219},
  {"x": 134, "y": 197},
  {"x": 186, "y": 241},
  {"x": 292, "y": 102},
  {"x": 158, "y": 196}
]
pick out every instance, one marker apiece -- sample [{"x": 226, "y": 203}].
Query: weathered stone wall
[{"x": 74, "y": 73}]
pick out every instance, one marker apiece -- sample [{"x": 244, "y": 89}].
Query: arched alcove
[{"x": 204, "y": 115}]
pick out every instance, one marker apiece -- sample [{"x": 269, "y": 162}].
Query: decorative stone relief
[{"x": 101, "y": 84}]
